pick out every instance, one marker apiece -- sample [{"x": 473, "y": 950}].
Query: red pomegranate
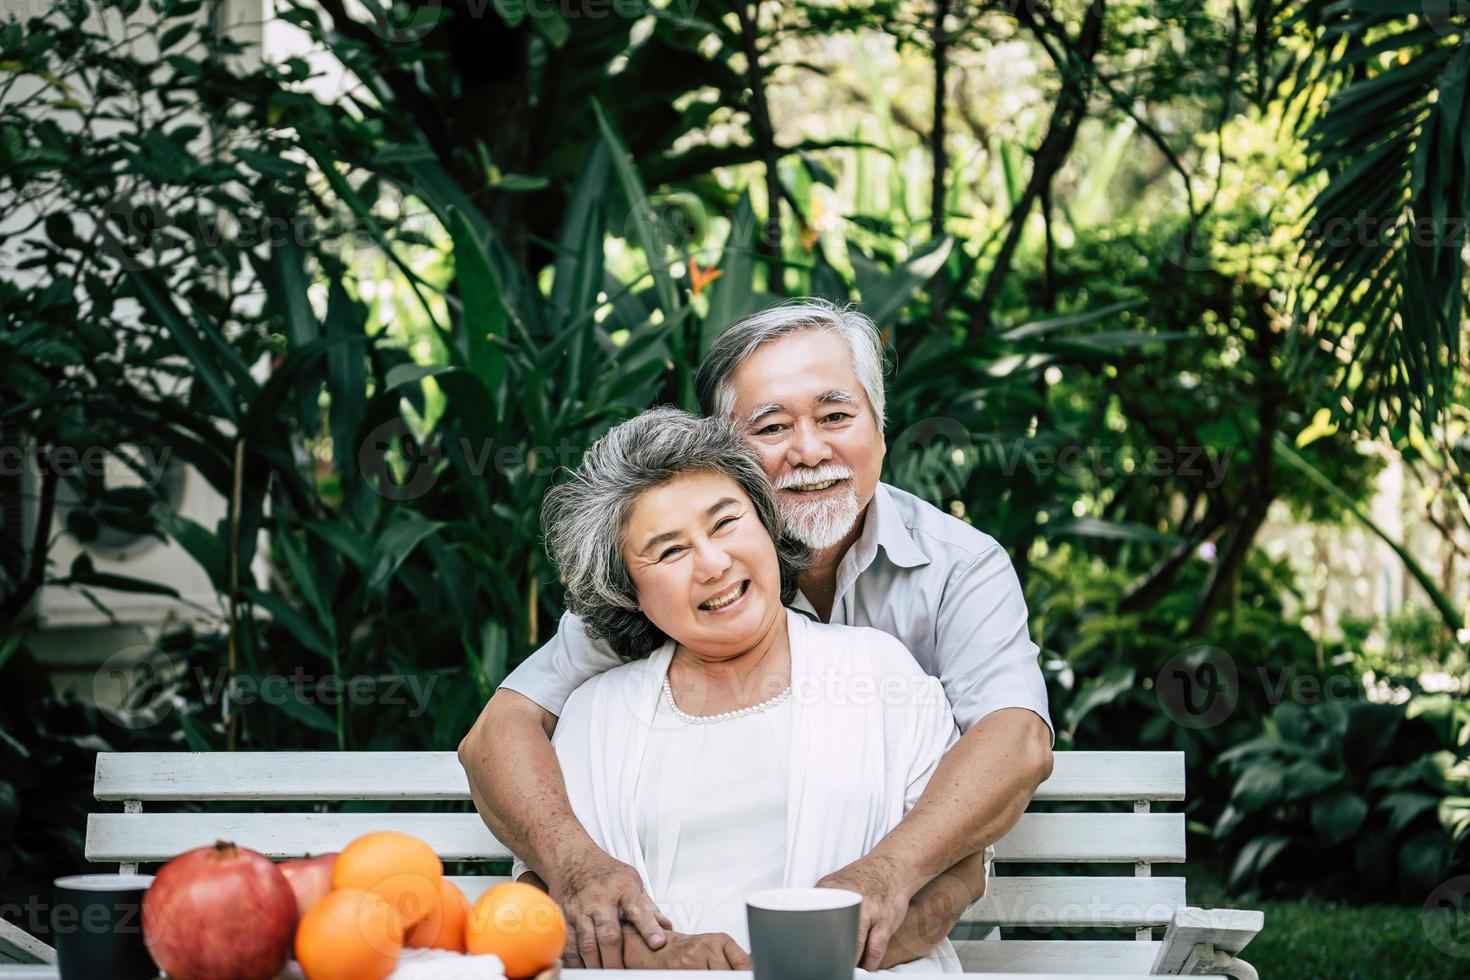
[
  {"x": 219, "y": 913},
  {"x": 310, "y": 878}
]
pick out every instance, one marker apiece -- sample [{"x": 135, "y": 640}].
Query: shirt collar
[{"x": 884, "y": 528}]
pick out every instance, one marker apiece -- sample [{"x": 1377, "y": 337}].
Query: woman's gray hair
[
  {"x": 585, "y": 519},
  {"x": 746, "y": 335}
]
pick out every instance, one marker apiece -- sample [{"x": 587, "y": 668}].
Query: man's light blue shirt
[{"x": 946, "y": 590}]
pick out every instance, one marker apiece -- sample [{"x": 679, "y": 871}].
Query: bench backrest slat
[
  {"x": 132, "y": 837},
  {"x": 254, "y": 776},
  {"x": 1059, "y": 957}
]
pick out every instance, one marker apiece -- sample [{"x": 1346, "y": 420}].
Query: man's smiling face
[{"x": 800, "y": 406}]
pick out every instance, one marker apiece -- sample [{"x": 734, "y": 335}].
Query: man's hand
[
  {"x": 886, "y": 896},
  {"x": 599, "y": 893},
  {"x": 703, "y": 951}
]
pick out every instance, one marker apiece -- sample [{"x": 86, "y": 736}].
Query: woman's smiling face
[{"x": 703, "y": 564}]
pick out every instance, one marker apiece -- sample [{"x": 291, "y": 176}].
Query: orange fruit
[
  {"x": 399, "y": 867},
  {"x": 349, "y": 935},
  {"x": 520, "y": 924},
  {"x": 444, "y": 927}
]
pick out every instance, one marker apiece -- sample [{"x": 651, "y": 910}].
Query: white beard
[{"x": 820, "y": 524}]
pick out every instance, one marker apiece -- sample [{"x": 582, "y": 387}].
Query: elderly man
[{"x": 804, "y": 380}]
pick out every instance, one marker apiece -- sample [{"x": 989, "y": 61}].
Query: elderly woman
[{"x": 741, "y": 746}]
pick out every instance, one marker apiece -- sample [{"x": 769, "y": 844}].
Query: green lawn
[{"x": 1317, "y": 940}]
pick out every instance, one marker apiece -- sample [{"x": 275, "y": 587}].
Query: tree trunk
[
  {"x": 769, "y": 243},
  {"x": 937, "y": 131},
  {"x": 1075, "y": 63}
]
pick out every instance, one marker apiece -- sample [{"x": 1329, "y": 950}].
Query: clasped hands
[{"x": 613, "y": 924}]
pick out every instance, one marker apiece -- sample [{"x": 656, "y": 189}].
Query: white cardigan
[{"x": 868, "y": 729}]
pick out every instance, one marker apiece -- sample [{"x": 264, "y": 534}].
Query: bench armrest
[
  {"x": 1207, "y": 940},
  {"x": 19, "y": 946}
]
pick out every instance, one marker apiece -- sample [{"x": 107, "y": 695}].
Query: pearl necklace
[{"x": 754, "y": 709}]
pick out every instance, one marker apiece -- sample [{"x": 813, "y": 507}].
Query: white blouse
[
  {"x": 707, "y": 812},
  {"x": 710, "y": 811}
]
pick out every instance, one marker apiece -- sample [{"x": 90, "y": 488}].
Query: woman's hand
[
  {"x": 700, "y": 951},
  {"x": 599, "y": 894}
]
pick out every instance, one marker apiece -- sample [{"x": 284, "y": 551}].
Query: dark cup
[
  {"x": 97, "y": 927},
  {"x": 803, "y": 933}
]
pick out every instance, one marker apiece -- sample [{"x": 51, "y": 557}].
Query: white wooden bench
[{"x": 1194, "y": 941}]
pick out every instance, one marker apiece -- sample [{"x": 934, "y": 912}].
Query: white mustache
[{"x": 821, "y": 474}]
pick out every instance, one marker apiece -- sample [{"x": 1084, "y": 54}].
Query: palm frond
[{"x": 1382, "y": 258}]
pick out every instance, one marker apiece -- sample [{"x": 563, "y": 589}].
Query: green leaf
[
  {"x": 1255, "y": 857},
  {"x": 485, "y": 318},
  {"x": 1095, "y": 527},
  {"x": 269, "y": 165},
  {"x": 1338, "y": 816},
  {"x": 265, "y": 410},
  {"x": 553, "y": 26},
  {"x": 192, "y": 735},
  {"x": 303, "y": 575},
  {"x": 1099, "y": 692},
  {"x": 645, "y": 227},
  {"x": 290, "y": 618},
  {"x": 402, "y": 154},
  {"x": 118, "y": 583},
  {"x": 203, "y": 546},
  {"x": 1040, "y": 327},
  {"x": 59, "y": 229},
  {"x": 154, "y": 296},
  {"x": 733, "y": 295},
  {"x": 395, "y": 544},
  {"x": 521, "y": 182},
  {"x": 173, "y": 36},
  {"x": 1259, "y": 786},
  {"x": 8, "y": 646},
  {"x": 885, "y": 299},
  {"x": 511, "y": 11},
  {"x": 344, "y": 539},
  {"x": 1305, "y": 778},
  {"x": 1404, "y": 806},
  {"x": 305, "y": 712},
  {"x": 1422, "y": 862}
]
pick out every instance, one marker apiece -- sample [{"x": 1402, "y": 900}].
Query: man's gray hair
[
  {"x": 746, "y": 335},
  {"x": 586, "y": 518}
]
